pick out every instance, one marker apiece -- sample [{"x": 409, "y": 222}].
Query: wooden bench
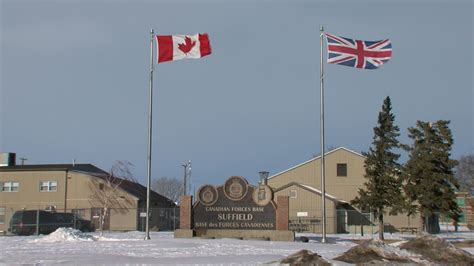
[{"x": 411, "y": 230}]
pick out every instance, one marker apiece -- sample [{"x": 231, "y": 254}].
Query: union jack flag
[{"x": 357, "y": 53}]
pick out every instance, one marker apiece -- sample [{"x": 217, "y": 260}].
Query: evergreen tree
[
  {"x": 429, "y": 179},
  {"x": 383, "y": 189}
]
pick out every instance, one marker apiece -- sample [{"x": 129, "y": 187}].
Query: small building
[
  {"x": 70, "y": 188},
  {"x": 344, "y": 172},
  {"x": 465, "y": 203}
]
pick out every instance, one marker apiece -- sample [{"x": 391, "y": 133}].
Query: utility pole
[{"x": 23, "y": 160}]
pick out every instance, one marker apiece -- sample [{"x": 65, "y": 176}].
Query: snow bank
[
  {"x": 63, "y": 234},
  {"x": 374, "y": 250},
  {"x": 450, "y": 228},
  {"x": 437, "y": 250},
  {"x": 305, "y": 257},
  {"x": 131, "y": 248}
]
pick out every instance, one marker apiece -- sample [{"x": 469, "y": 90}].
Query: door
[{"x": 96, "y": 214}]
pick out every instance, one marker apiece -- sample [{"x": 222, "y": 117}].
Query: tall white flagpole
[
  {"x": 150, "y": 111},
  {"x": 323, "y": 177}
]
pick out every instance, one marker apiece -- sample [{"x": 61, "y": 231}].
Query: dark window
[{"x": 341, "y": 169}]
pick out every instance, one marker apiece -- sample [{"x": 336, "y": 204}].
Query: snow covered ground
[{"x": 72, "y": 247}]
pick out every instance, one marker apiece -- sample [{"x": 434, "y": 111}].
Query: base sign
[{"x": 235, "y": 205}]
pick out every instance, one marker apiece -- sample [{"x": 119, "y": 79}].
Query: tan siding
[
  {"x": 29, "y": 195},
  {"x": 79, "y": 196},
  {"x": 344, "y": 188},
  {"x": 402, "y": 220},
  {"x": 123, "y": 219},
  {"x": 309, "y": 202},
  {"x": 304, "y": 174}
]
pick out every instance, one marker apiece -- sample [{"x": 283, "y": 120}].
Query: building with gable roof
[
  {"x": 344, "y": 171},
  {"x": 67, "y": 188}
]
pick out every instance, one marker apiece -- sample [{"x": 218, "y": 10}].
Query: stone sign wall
[
  {"x": 235, "y": 205},
  {"x": 236, "y": 210}
]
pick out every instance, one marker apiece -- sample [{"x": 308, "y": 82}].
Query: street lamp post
[{"x": 187, "y": 173}]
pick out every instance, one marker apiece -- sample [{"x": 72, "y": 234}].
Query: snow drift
[
  {"x": 63, "y": 234},
  {"x": 374, "y": 250},
  {"x": 438, "y": 250}
]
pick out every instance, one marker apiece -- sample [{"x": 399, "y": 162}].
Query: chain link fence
[
  {"x": 35, "y": 221},
  {"x": 345, "y": 221},
  {"x": 355, "y": 222}
]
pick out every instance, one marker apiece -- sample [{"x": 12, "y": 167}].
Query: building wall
[
  {"x": 124, "y": 215},
  {"x": 402, "y": 220},
  {"x": 343, "y": 188},
  {"x": 79, "y": 196},
  {"x": 29, "y": 196},
  {"x": 308, "y": 202},
  {"x": 465, "y": 201},
  {"x": 80, "y": 193},
  {"x": 469, "y": 210}
]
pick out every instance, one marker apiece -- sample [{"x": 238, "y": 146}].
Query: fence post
[
  {"x": 174, "y": 219},
  {"x": 37, "y": 221},
  {"x": 140, "y": 219},
  {"x": 74, "y": 215},
  {"x": 371, "y": 224}
]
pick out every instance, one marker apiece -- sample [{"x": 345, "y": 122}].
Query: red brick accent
[
  {"x": 283, "y": 213},
  {"x": 185, "y": 210}
]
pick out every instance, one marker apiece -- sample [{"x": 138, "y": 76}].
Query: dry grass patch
[
  {"x": 438, "y": 250},
  {"x": 464, "y": 243}
]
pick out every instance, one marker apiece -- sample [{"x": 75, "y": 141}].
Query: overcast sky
[{"x": 74, "y": 81}]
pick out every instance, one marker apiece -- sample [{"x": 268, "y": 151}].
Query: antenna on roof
[{"x": 23, "y": 160}]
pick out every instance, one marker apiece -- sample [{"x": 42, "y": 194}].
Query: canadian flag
[{"x": 176, "y": 47}]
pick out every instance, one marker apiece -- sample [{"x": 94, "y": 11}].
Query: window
[
  {"x": 2, "y": 215},
  {"x": 9, "y": 186},
  {"x": 462, "y": 218},
  {"x": 48, "y": 186},
  {"x": 293, "y": 194},
  {"x": 341, "y": 169}
]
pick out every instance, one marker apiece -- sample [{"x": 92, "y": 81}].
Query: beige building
[
  {"x": 344, "y": 170},
  {"x": 72, "y": 188}
]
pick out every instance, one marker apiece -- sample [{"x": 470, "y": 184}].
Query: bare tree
[
  {"x": 327, "y": 149},
  {"x": 465, "y": 172},
  {"x": 169, "y": 187},
  {"x": 106, "y": 190}
]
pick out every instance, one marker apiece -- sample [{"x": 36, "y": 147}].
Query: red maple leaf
[{"x": 187, "y": 45}]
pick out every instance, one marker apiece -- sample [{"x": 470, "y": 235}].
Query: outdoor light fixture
[{"x": 263, "y": 177}]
